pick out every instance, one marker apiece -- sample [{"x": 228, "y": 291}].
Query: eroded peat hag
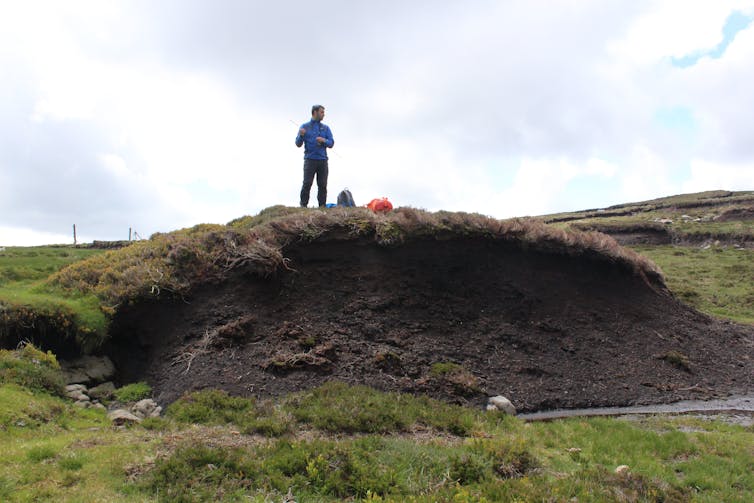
[{"x": 457, "y": 319}]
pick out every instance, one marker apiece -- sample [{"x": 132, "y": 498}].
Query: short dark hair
[{"x": 316, "y": 107}]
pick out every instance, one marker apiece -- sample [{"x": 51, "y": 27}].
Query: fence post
[
  {"x": 129, "y": 234},
  {"x": 74, "y": 234}
]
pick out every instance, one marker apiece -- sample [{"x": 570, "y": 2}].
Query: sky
[{"x": 155, "y": 116}]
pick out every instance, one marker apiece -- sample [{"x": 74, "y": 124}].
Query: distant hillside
[{"x": 711, "y": 216}]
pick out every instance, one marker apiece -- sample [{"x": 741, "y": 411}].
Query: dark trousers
[{"x": 314, "y": 167}]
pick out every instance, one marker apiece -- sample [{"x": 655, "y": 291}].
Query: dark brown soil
[
  {"x": 547, "y": 331},
  {"x": 736, "y": 214}
]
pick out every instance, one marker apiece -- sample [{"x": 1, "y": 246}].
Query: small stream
[{"x": 734, "y": 409}]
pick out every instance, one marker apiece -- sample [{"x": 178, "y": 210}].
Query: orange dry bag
[{"x": 380, "y": 205}]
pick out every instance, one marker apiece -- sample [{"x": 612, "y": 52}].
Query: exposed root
[
  {"x": 298, "y": 360},
  {"x": 187, "y": 357}
]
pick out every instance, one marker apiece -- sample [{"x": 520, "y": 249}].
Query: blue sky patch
[
  {"x": 679, "y": 119},
  {"x": 735, "y": 23}
]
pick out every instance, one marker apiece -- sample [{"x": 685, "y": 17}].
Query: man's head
[{"x": 318, "y": 112}]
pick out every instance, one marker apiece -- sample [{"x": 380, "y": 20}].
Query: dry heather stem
[
  {"x": 199, "y": 348},
  {"x": 297, "y": 360}
]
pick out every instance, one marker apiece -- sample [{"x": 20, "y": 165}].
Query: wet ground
[{"x": 735, "y": 409}]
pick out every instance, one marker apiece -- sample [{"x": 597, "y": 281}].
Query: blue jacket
[{"x": 312, "y": 149}]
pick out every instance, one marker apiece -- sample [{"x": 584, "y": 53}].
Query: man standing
[{"x": 316, "y": 138}]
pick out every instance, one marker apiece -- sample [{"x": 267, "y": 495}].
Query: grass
[
  {"x": 687, "y": 217},
  {"x": 337, "y": 407},
  {"x": 27, "y": 301},
  {"x": 31, "y": 368},
  {"x": 25, "y": 264},
  {"x": 717, "y": 281},
  {"x": 133, "y": 392},
  {"x": 391, "y": 453}
]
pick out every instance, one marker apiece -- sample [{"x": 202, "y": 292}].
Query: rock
[
  {"x": 84, "y": 404},
  {"x": 98, "y": 406},
  {"x": 146, "y": 408},
  {"x": 75, "y": 387},
  {"x": 78, "y": 396},
  {"x": 502, "y": 404},
  {"x": 121, "y": 417},
  {"x": 88, "y": 369},
  {"x": 622, "y": 470},
  {"x": 74, "y": 375},
  {"x": 104, "y": 391}
]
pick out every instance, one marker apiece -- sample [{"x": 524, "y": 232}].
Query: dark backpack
[{"x": 345, "y": 198}]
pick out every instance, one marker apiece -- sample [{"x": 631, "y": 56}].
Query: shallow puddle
[{"x": 734, "y": 409}]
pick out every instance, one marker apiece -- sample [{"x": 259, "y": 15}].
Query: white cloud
[
  {"x": 646, "y": 176},
  {"x": 159, "y": 116},
  {"x": 710, "y": 175},
  {"x": 20, "y": 236},
  {"x": 675, "y": 28}
]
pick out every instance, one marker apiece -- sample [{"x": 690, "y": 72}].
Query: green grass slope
[
  {"x": 709, "y": 259},
  {"x": 343, "y": 443},
  {"x": 31, "y": 306},
  {"x": 714, "y": 215}
]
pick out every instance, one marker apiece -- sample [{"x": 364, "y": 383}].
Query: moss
[
  {"x": 677, "y": 359},
  {"x": 31, "y": 368},
  {"x": 440, "y": 369},
  {"x": 133, "y": 392},
  {"x": 463, "y": 381}
]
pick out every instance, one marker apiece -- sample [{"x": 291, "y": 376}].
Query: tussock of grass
[
  {"x": 216, "y": 407},
  {"x": 368, "y": 467},
  {"x": 40, "y": 453},
  {"x": 22, "y": 409},
  {"x": 133, "y": 392},
  {"x": 337, "y": 407},
  {"x": 32, "y": 368},
  {"x": 678, "y": 359},
  {"x": 455, "y": 375},
  {"x": 332, "y": 407}
]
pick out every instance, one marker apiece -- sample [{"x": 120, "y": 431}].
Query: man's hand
[
  {"x": 321, "y": 140},
  {"x": 301, "y": 132}
]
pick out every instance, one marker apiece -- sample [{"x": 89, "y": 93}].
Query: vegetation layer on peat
[{"x": 89, "y": 292}]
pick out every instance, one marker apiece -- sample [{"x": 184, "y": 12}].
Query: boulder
[
  {"x": 74, "y": 375},
  {"x": 502, "y": 404},
  {"x": 104, "y": 391},
  {"x": 88, "y": 369},
  {"x": 122, "y": 417},
  {"x": 75, "y": 387},
  {"x": 78, "y": 396},
  {"x": 146, "y": 408}
]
